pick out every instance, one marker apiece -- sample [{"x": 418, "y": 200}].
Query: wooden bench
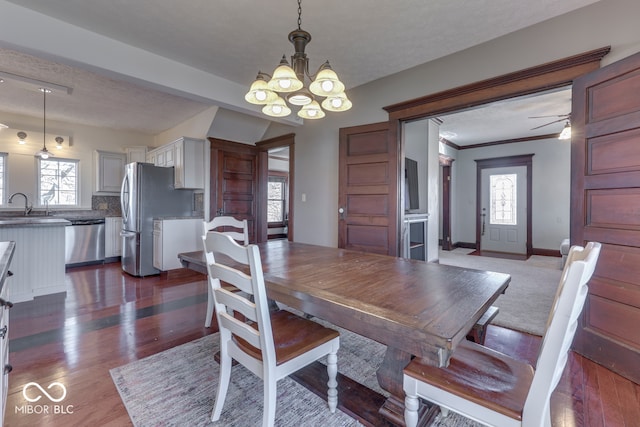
[{"x": 478, "y": 332}]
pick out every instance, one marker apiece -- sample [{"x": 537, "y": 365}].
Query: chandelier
[{"x": 290, "y": 82}]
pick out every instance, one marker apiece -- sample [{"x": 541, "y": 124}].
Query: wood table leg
[{"x": 390, "y": 379}]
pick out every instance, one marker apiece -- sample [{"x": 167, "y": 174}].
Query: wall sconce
[
  {"x": 21, "y": 137},
  {"x": 59, "y": 141}
]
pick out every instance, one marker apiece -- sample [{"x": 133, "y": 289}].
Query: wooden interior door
[
  {"x": 234, "y": 166},
  {"x": 605, "y": 207},
  {"x": 368, "y": 189}
]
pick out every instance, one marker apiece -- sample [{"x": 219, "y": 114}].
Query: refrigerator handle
[{"x": 125, "y": 211}]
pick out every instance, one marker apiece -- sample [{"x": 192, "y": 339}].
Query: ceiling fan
[{"x": 559, "y": 118}]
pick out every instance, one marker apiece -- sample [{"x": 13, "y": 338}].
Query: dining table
[{"x": 415, "y": 308}]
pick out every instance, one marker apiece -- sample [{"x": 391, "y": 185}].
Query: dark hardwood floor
[{"x": 109, "y": 318}]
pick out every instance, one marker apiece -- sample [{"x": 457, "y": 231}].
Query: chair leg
[
  {"x": 332, "y": 370},
  {"x": 223, "y": 385},
  {"x": 207, "y": 320},
  {"x": 411, "y": 405},
  {"x": 270, "y": 396}
]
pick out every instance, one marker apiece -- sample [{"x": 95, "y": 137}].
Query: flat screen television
[{"x": 412, "y": 201}]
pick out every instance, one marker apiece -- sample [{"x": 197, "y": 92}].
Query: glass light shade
[
  {"x": 284, "y": 79},
  {"x": 44, "y": 153},
  {"x": 3, "y": 126},
  {"x": 300, "y": 97},
  {"x": 311, "y": 111},
  {"x": 259, "y": 92},
  {"x": 59, "y": 141},
  {"x": 566, "y": 132},
  {"x": 326, "y": 82},
  {"x": 22, "y": 136},
  {"x": 337, "y": 103},
  {"x": 277, "y": 108}
]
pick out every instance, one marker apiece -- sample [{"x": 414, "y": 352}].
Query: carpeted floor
[
  {"x": 526, "y": 304},
  {"x": 177, "y": 388}
]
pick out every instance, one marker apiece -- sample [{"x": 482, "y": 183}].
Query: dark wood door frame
[
  {"x": 500, "y": 162},
  {"x": 263, "y": 147},
  {"x": 445, "y": 164},
  {"x": 552, "y": 75}
]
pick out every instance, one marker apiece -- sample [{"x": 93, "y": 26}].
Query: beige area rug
[
  {"x": 526, "y": 304},
  {"x": 177, "y": 388}
]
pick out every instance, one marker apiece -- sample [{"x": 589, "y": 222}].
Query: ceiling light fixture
[
  {"x": 44, "y": 153},
  {"x": 59, "y": 141},
  {"x": 566, "y": 131},
  {"x": 22, "y": 136},
  {"x": 290, "y": 80}
]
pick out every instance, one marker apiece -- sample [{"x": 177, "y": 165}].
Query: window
[
  {"x": 503, "y": 199},
  {"x": 3, "y": 177},
  {"x": 277, "y": 198},
  {"x": 58, "y": 182}
]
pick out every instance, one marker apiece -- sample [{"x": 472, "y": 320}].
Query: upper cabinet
[
  {"x": 136, "y": 154},
  {"x": 109, "y": 169},
  {"x": 186, "y": 155}
]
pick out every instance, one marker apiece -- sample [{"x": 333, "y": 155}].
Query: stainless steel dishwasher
[{"x": 84, "y": 241}]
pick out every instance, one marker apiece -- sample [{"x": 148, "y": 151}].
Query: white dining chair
[
  {"x": 271, "y": 344},
  {"x": 239, "y": 231},
  {"x": 495, "y": 389}
]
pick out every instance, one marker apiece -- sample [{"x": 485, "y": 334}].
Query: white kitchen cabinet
[
  {"x": 136, "y": 154},
  {"x": 173, "y": 236},
  {"x": 112, "y": 239},
  {"x": 186, "y": 155},
  {"x": 162, "y": 156},
  {"x": 189, "y": 163},
  {"x": 109, "y": 171}
]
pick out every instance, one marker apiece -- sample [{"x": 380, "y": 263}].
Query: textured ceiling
[{"x": 364, "y": 40}]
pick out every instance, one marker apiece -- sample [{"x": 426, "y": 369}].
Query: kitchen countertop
[{"x": 34, "y": 221}]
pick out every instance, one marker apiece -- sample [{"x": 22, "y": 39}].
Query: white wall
[
  {"x": 551, "y": 190},
  {"x": 21, "y": 163}
]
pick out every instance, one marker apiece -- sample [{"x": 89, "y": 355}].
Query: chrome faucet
[{"x": 27, "y": 208}]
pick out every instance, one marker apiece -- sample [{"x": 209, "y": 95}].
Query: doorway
[
  {"x": 505, "y": 237},
  {"x": 503, "y": 210},
  {"x": 276, "y": 164}
]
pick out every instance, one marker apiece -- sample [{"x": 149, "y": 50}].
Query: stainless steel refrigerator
[{"x": 147, "y": 192}]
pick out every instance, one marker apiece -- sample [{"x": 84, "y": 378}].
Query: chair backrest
[
  {"x": 227, "y": 261},
  {"x": 570, "y": 299},
  {"x": 237, "y": 229}
]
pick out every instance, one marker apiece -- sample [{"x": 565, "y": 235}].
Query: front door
[
  {"x": 368, "y": 177},
  {"x": 605, "y": 207},
  {"x": 504, "y": 210},
  {"x": 518, "y": 209}
]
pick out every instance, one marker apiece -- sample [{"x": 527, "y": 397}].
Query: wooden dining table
[{"x": 415, "y": 308}]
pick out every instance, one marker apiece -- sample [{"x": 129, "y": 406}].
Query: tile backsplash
[{"x": 110, "y": 205}]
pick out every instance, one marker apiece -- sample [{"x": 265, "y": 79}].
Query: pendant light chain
[
  {"x": 44, "y": 117},
  {"x": 299, "y": 14}
]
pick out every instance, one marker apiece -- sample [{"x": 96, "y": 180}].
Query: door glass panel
[{"x": 503, "y": 199}]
